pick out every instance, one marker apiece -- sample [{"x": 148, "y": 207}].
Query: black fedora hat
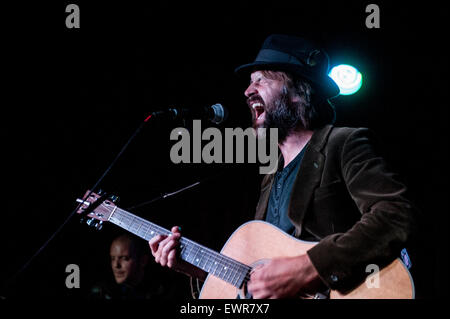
[{"x": 297, "y": 56}]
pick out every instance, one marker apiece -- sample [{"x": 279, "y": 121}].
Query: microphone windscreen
[{"x": 220, "y": 113}]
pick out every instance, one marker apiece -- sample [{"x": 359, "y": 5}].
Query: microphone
[{"x": 215, "y": 113}]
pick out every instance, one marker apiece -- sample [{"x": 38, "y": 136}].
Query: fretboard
[{"x": 204, "y": 258}]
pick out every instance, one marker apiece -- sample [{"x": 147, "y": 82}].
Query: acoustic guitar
[{"x": 251, "y": 244}]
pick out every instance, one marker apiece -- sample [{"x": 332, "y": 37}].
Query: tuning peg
[
  {"x": 101, "y": 192},
  {"x": 90, "y": 221},
  {"x": 99, "y": 225},
  {"x": 114, "y": 198}
]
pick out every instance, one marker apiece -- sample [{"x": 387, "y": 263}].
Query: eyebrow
[{"x": 258, "y": 77}]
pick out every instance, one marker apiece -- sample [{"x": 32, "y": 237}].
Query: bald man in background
[{"x": 131, "y": 279}]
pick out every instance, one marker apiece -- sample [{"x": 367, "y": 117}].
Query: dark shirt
[{"x": 277, "y": 209}]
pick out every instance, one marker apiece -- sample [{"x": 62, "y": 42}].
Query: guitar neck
[{"x": 204, "y": 258}]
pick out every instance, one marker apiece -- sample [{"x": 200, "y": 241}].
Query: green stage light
[{"x": 347, "y": 78}]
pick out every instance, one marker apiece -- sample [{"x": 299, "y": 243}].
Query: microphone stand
[
  {"x": 163, "y": 196},
  {"x": 167, "y": 195}
]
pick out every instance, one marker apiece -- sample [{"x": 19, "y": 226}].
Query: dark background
[{"x": 72, "y": 98}]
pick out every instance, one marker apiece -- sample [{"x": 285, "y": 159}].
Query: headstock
[{"x": 99, "y": 207}]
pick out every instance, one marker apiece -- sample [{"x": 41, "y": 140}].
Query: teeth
[{"x": 257, "y": 105}]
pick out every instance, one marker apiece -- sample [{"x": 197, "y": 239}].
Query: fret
[
  {"x": 143, "y": 231},
  {"x": 217, "y": 267},
  {"x": 185, "y": 253},
  {"x": 199, "y": 258},
  {"x": 227, "y": 273},
  {"x": 183, "y": 250},
  {"x": 131, "y": 225},
  {"x": 242, "y": 274},
  {"x": 124, "y": 221},
  {"x": 152, "y": 232},
  {"x": 121, "y": 217},
  {"x": 146, "y": 236},
  {"x": 138, "y": 227},
  {"x": 222, "y": 268},
  {"x": 196, "y": 257},
  {"x": 203, "y": 259},
  {"x": 226, "y": 270},
  {"x": 241, "y": 277},
  {"x": 210, "y": 259},
  {"x": 191, "y": 255},
  {"x": 233, "y": 270},
  {"x": 234, "y": 276}
]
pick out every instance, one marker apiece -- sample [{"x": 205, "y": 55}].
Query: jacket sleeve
[{"x": 386, "y": 224}]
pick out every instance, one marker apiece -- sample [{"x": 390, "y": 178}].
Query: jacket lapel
[
  {"x": 266, "y": 187},
  {"x": 307, "y": 180},
  {"x": 308, "y": 177}
]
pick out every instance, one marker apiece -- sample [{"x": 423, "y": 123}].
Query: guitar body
[{"x": 257, "y": 241}]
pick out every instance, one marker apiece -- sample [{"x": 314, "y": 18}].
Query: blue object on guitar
[{"x": 405, "y": 258}]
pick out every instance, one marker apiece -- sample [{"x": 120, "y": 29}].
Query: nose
[
  {"x": 116, "y": 264},
  {"x": 251, "y": 90}
]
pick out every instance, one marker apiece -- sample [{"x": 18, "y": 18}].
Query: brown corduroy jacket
[{"x": 346, "y": 197}]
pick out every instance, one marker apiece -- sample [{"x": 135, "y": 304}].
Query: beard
[{"x": 282, "y": 114}]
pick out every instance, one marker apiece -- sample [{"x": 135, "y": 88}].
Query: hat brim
[{"x": 325, "y": 85}]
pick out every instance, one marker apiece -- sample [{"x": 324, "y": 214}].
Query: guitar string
[{"x": 236, "y": 268}]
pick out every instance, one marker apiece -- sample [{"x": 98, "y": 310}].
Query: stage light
[{"x": 347, "y": 78}]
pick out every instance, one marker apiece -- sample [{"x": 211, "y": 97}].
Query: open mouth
[{"x": 258, "y": 109}]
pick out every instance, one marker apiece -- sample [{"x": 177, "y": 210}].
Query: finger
[
  {"x": 154, "y": 243},
  {"x": 256, "y": 274},
  {"x": 165, "y": 241},
  {"x": 159, "y": 248},
  {"x": 171, "y": 258},
  {"x": 257, "y": 268},
  {"x": 257, "y": 289},
  {"x": 176, "y": 229},
  {"x": 167, "y": 248}
]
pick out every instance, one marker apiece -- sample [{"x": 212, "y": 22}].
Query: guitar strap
[{"x": 195, "y": 288}]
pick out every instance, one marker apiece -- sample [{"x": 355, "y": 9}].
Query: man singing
[{"x": 331, "y": 186}]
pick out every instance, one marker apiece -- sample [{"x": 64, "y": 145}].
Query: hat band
[{"x": 269, "y": 55}]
